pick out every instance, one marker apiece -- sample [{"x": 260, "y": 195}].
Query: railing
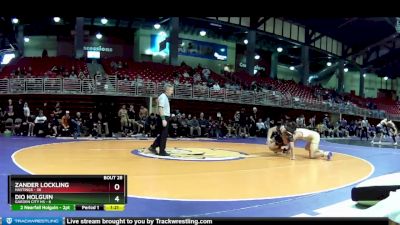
[
  {"x": 52, "y": 85},
  {"x": 34, "y": 85},
  {"x": 217, "y": 94},
  {"x": 111, "y": 86},
  {"x": 160, "y": 88},
  {"x": 88, "y": 86},
  {"x": 127, "y": 87},
  {"x": 106, "y": 84},
  {"x": 4, "y": 86},
  {"x": 232, "y": 95},
  {"x": 182, "y": 91},
  {"x": 71, "y": 86},
  {"x": 247, "y": 97},
  {"x": 201, "y": 92},
  {"x": 146, "y": 88},
  {"x": 17, "y": 85}
]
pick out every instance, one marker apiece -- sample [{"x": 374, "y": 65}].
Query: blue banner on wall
[
  {"x": 203, "y": 49},
  {"x": 156, "y": 42},
  {"x": 190, "y": 47}
]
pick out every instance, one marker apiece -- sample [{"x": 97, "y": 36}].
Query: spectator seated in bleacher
[
  {"x": 57, "y": 112},
  {"x": 16, "y": 73},
  {"x": 143, "y": 113},
  {"x": 186, "y": 74},
  {"x": 139, "y": 81},
  {"x": 132, "y": 123},
  {"x": 91, "y": 126},
  {"x": 78, "y": 124},
  {"x": 173, "y": 126},
  {"x": 82, "y": 76},
  {"x": 320, "y": 129},
  {"x": 336, "y": 131},
  {"x": 230, "y": 128},
  {"x": 210, "y": 83},
  {"x": 53, "y": 125},
  {"x": 221, "y": 130},
  {"x": 40, "y": 129},
  {"x": 18, "y": 128},
  {"x": 102, "y": 125},
  {"x": 120, "y": 65},
  {"x": 206, "y": 72},
  {"x": 66, "y": 125},
  {"x": 73, "y": 75},
  {"x": 211, "y": 127},
  {"x": 243, "y": 131},
  {"x": 372, "y": 131},
  {"x": 300, "y": 121},
  {"x": 124, "y": 119},
  {"x": 328, "y": 130},
  {"x": 216, "y": 86},
  {"x": 176, "y": 81},
  {"x": 251, "y": 125},
  {"x": 343, "y": 131},
  {"x": 114, "y": 65},
  {"x": 204, "y": 124},
  {"x": 261, "y": 130},
  {"x": 151, "y": 125},
  {"x": 194, "y": 125},
  {"x": 98, "y": 74},
  {"x": 183, "y": 125},
  {"x": 26, "y": 127},
  {"x": 196, "y": 77},
  {"x": 9, "y": 110}
]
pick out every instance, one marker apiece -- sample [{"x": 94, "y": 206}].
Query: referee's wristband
[{"x": 163, "y": 117}]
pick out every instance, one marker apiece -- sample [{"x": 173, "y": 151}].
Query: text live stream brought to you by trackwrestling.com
[
  {"x": 113, "y": 221},
  {"x": 190, "y": 221}
]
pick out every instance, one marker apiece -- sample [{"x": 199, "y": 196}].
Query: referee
[
  {"x": 164, "y": 112},
  {"x": 364, "y": 128}
]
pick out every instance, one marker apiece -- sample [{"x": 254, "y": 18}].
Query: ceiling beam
[
  {"x": 382, "y": 59},
  {"x": 307, "y": 36},
  {"x": 391, "y": 21},
  {"x": 164, "y": 20},
  {"x": 346, "y": 51},
  {"x": 262, "y": 20},
  {"x": 319, "y": 36},
  {"x": 254, "y": 21},
  {"x": 347, "y": 22},
  {"x": 377, "y": 44}
]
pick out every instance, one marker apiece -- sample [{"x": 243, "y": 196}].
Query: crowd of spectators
[{"x": 106, "y": 120}]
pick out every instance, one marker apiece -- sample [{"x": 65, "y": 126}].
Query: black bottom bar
[{"x": 230, "y": 221}]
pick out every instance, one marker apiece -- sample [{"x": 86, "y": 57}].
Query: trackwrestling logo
[{"x": 194, "y": 154}]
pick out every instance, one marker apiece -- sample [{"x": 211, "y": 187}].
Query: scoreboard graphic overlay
[{"x": 67, "y": 192}]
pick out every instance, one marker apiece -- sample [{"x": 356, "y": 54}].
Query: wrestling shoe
[{"x": 329, "y": 156}]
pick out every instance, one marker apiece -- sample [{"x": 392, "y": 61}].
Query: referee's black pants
[
  {"x": 161, "y": 140},
  {"x": 364, "y": 133}
]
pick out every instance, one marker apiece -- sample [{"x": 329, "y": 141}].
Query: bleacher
[
  {"x": 158, "y": 72},
  {"x": 290, "y": 87},
  {"x": 41, "y": 66}
]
